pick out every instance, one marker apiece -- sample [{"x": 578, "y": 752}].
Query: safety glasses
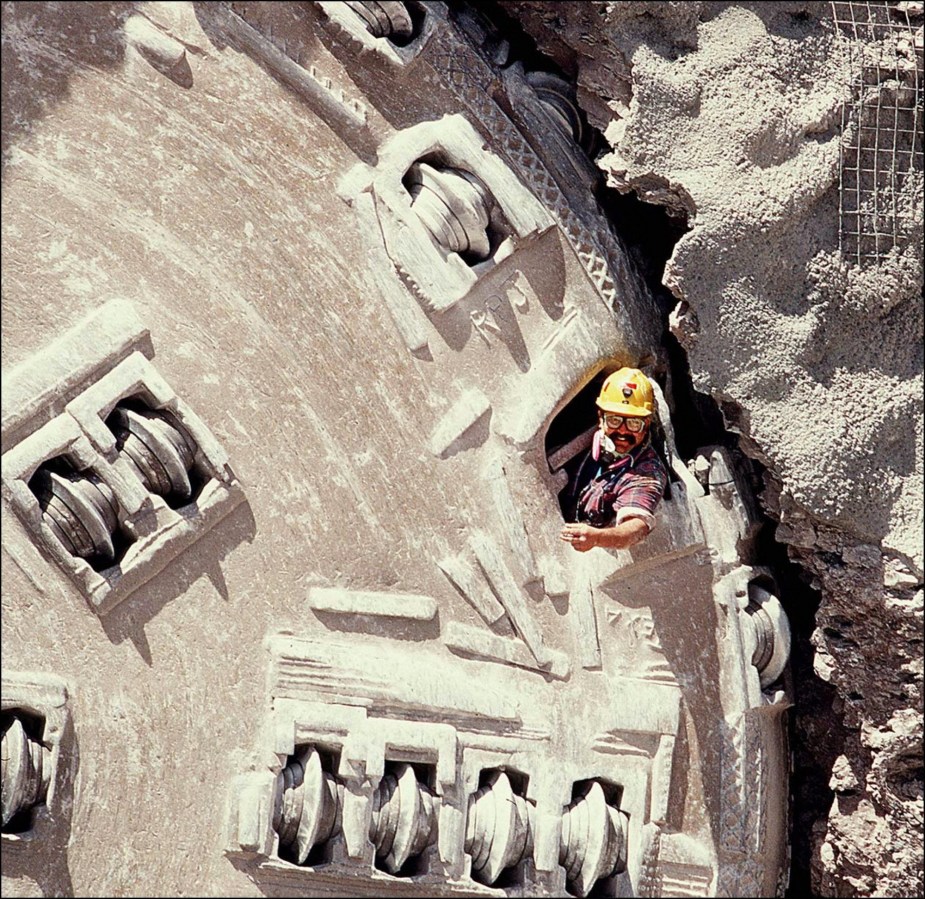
[{"x": 633, "y": 424}]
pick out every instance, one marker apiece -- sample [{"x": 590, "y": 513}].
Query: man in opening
[{"x": 616, "y": 509}]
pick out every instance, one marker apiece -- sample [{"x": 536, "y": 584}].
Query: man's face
[{"x": 626, "y": 432}]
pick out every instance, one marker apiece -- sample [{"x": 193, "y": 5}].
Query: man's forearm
[
  {"x": 626, "y": 533},
  {"x": 583, "y": 537}
]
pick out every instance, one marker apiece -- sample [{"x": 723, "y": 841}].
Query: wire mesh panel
[{"x": 881, "y": 149}]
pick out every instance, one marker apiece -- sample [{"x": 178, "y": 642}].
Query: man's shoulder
[
  {"x": 649, "y": 460},
  {"x": 648, "y": 455}
]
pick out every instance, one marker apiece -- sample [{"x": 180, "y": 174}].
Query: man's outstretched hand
[{"x": 582, "y": 536}]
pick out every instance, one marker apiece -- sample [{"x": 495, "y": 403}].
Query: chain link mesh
[{"x": 880, "y": 176}]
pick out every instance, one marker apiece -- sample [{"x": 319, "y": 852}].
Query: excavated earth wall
[{"x": 730, "y": 114}]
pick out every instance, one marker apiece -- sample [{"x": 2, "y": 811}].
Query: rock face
[{"x": 806, "y": 327}]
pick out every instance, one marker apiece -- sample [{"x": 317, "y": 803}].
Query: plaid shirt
[{"x": 631, "y": 487}]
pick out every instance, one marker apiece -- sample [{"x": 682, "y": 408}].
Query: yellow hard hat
[{"x": 627, "y": 391}]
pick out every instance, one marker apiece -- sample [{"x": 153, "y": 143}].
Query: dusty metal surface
[{"x": 340, "y": 636}]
